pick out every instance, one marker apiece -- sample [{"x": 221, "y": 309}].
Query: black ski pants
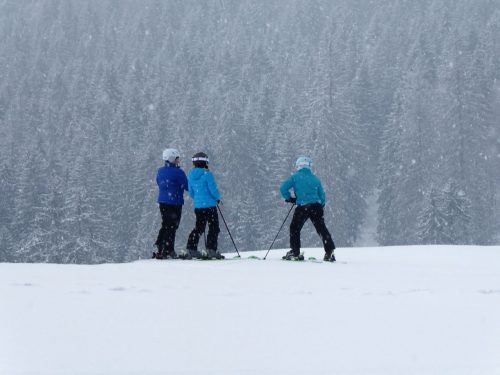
[
  {"x": 170, "y": 219},
  {"x": 204, "y": 216},
  {"x": 316, "y": 214}
]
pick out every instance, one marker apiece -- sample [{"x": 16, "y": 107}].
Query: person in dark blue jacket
[
  {"x": 205, "y": 194},
  {"x": 310, "y": 199},
  {"x": 172, "y": 182}
]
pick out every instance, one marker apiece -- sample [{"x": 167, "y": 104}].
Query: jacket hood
[
  {"x": 304, "y": 170},
  {"x": 197, "y": 173}
]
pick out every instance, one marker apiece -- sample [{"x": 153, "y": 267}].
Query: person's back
[
  {"x": 205, "y": 194},
  {"x": 202, "y": 188},
  {"x": 310, "y": 199},
  {"x": 307, "y": 187},
  {"x": 171, "y": 182}
]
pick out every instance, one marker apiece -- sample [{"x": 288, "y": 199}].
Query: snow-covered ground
[{"x": 378, "y": 311}]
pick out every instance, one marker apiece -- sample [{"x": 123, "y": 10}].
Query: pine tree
[
  {"x": 456, "y": 207},
  {"x": 433, "y": 221},
  {"x": 389, "y": 172},
  {"x": 7, "y": 196}
]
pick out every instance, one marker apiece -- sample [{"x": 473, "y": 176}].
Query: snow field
[{"x": 393, "y": 310}]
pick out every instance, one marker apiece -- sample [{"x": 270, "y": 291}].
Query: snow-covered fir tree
[
  {"x": 394, "y": 96},
  {"x": 433, "y": 220}
]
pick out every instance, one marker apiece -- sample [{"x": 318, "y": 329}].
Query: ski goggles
[{"x": 200, "y": 158}]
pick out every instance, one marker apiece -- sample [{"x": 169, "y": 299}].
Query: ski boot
[
  {"x": 214, "y": 254},
  {"x": 158, "y": 251},
  {"x": 195, "y": 254},
  {"x": 219, "y": 255},
  {"x": 329, "y": 256},
  {"x": 189, "y": 254},
  {"x": 211, "y": 254},
  {"x": 171, "y": 255},
  {"x": 293, "y": 255},
  {"x": 184, "y": 254},
  {"x": 158, "y": 254}
]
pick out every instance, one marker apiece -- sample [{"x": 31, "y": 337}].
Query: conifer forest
[{"x": 396, "y": 101}]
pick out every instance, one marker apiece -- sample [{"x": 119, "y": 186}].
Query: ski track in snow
[{"x": 381, "y": 311}]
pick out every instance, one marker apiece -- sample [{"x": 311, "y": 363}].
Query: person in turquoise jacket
[
  {"x": 310, "y": 199},
  {"x": 205, "y": 194}
]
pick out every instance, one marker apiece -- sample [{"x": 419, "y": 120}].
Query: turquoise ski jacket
[
  {"x": 306, "y": 186},
  {"x": 202, "y": 188}
]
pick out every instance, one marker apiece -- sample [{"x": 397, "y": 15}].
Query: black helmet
[{"x": 200, "y": 160}]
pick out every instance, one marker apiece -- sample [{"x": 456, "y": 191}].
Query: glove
[{"x": 291, "y": 200}]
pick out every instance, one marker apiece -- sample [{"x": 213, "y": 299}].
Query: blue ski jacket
[
  {"x": 202, "y": 188},
  {"x": 172, "y": 182},
  {"x": 306, "y": 186}
]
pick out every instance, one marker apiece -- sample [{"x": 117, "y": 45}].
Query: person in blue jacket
[
  {"x": 310, "y": 199},
  {"x": 172, "y": 182},
  {"x": 205, "y": 194}
]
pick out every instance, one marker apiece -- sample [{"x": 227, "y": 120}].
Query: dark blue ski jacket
[{"x": 172, "y": 182}]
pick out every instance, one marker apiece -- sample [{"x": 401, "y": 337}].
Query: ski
[
  {"x": 312, "y": 260},
  {"x": 210, "y": 258},
  {"x": 163, "y": 257},
  {"x": 251, "y": 257},
  {"x": 236, "y": 257},
  {"x": 300, "y": 258}
]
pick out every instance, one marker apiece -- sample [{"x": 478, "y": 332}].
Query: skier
[
  {"x": 310, "y": 199},
  {"x": 172, "y": 182},
  {"x": 205, "y": 194}
]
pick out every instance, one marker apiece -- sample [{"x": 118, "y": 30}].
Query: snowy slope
[{"x": 381, "y": 311}]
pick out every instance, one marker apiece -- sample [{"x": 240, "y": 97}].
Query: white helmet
[
  {"x": 303, "y": 162},
  {"x": 170, "y": 154}
]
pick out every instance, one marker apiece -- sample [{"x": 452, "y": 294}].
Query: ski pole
[
  {"x": 228, "y": 231},
  {"x": 277, "y": 234}
]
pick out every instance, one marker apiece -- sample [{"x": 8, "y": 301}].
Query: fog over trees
[{"x": 394, "y": 98}]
